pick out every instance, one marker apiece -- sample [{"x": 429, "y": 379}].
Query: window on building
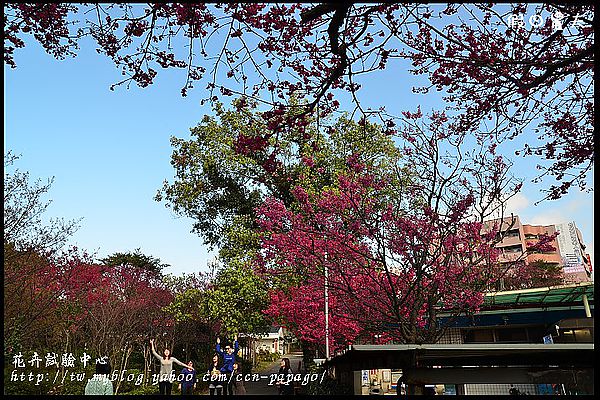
[
  {"x": 504, "y": 335},
  {"x": 512, "y": 249},
  {"x": 512, "y": 233},
  {"x": 536, "y": 334},
  {"x": 584, "y": 336},
  {"x": 479, "y": 336},
  {"x": 515, "y": 335},
  {"x": 575, "y": 336},
  {"x": 568, "y": 336}
]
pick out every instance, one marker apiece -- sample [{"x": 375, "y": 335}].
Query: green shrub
[
  {"x": 128, "y": 386},
  {"x": 329, "y": 386},
  {"x": 144, "y": 390},
  {"x": 267, "y": 356}
]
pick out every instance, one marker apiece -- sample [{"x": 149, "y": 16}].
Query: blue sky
[{"x": 109, "y": 151}]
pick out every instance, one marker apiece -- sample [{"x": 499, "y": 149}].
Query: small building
[
  {"x": 490, "y": 368},
  {"x": 273, "y": 341},
  {"x": 537, "y": 341}
]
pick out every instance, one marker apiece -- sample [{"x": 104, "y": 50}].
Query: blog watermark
[
  {"x": 516, "y": 21},
  {"x": 65, "y": 364},
  {"x": 52, "y": 359},
  {"x": 70, "y": 376}
]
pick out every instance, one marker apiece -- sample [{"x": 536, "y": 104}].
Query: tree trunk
[
  {"x": 124, "y": 362},
  {"x": 62, "y": 367},
  {"x": 308, "y": 354},
  {"x": 146, "y": 362}
]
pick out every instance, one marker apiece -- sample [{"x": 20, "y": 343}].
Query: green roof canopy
[{"x": 546, "y": 295}]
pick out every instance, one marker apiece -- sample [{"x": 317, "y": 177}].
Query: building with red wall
[{"x": 569, "y": 246}]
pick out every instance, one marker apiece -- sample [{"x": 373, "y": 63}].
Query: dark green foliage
[
  {"x": 237, "y": 300},
  {"x": 220, "y": 186},
  {"x": 135, "y": 259},
  {"x": 329, "y": 386}
]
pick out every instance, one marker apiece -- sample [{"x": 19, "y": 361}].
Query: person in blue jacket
[
  {"x": 187, "y": 379},
  {"x": 228, "y": 360}
]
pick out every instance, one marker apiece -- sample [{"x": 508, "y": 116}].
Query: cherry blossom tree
[
  {"x": 397, "y": 257},
  {"x": 300, "y": 309},
  {"x": 113, "y": 310},
  {"x": 507, "y": 70},
  {"x": 31, "y": 249},
  {"x": 536, "y": 272},
  {"x": 503, "y": 72}
]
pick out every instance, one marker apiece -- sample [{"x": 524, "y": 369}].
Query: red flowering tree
[
  {"x": 112, "y": 310},
  {"x": 31, "y": 296},
  {"x": 396, "y": 257},
  {"x": 300, "y": 309},
  {"x": 526, "y": 274},
  {"x": 31, "y": 248},
  {"x": 517, "y": 65}
]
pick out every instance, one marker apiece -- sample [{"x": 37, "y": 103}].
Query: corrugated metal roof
[{"x": 546, "y": 295}]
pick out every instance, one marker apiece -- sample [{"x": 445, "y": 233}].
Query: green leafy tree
[
  {"x": 229, "y": 166},
  {"x": 135, "y": 259},
  {"x": 237, "y": 299},
  {"x": 195, "y": 328}
]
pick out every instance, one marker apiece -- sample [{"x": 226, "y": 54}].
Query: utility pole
[
  {"x": 326, "y": 309},
  {"x": 586, "y": 305}
]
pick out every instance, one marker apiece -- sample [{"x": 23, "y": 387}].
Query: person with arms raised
[
  {"x": 166, "y": 378},
  {"x": 228, "y": 360}
]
